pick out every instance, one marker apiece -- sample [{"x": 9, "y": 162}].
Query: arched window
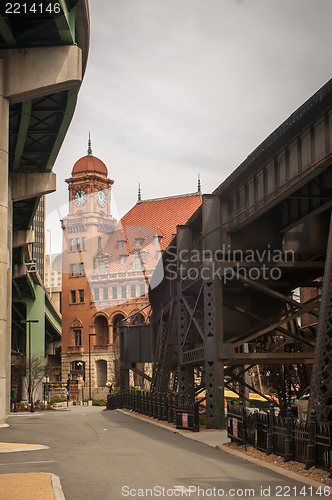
[
  {"x": 101, "y": 368},
  {"x": 77, "y": 329},
  {"x": 101, "y": 330},
  {"x": 78, "y": 337},
  {"x": 138, "y": 319},
  {"x": 116, "y": 327}
]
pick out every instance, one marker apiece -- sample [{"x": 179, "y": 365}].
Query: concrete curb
[
  {"x": 158, "y": 424},
  {"x": 56, "y": 487},
  {"x": 25, "y": 414},
  {"x": 274, "y": 468},
  {"x": 13, "y": 449}
]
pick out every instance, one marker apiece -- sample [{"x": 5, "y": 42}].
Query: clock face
[
  {"x": 101, "y": 198},
  {"x": 80, "y": 197}
]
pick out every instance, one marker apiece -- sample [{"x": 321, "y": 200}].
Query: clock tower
[
  {"x": 89, "y": 187},
  {"x": 86, "y": 230}
]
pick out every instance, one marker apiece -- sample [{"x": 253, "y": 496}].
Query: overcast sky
[{"x": 177, "y": 88}]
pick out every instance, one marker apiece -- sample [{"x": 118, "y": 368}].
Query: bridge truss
[{"x": 246, "y": 302}]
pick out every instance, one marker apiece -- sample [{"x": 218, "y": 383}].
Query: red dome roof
[{"x": 88, "y": 164}]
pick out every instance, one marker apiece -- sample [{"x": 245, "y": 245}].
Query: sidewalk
[
  {"x": 218, "y": 439},
  {"x": 32, "y": 486},
  {"x": 28, "y": 486}
]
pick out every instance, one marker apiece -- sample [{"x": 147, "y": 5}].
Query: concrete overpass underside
[{"x": 43, "y": 58}]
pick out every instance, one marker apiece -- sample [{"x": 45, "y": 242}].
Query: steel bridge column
[
  {"x": 213, "y": 313},
  {"x": 5, "y": 255},
  {"x": 124, "y": 376},
  {"x": 186, "y": 373},
  {"x": 321, "y": 379},
  {"x": 214, "y": 369}
]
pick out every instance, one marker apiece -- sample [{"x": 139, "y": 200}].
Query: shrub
[
  {"x": 202, "y": 421},
  {"x": 99, "y": 402},
  {"x": 58, "y": 400}
]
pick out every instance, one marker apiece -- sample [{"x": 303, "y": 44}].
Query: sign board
[
  {"x": 235, "y": 433},
  {"x": 184, "y": 419},
  {"x": 73, "y": 390}
]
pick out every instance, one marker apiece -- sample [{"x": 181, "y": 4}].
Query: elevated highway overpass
[{"x": 43, "y": 57}]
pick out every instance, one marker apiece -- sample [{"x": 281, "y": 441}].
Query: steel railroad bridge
[
  {"x": 43, "y": 56},
  {"x": 226, "y": 312}
]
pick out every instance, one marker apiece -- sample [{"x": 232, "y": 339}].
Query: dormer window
[
  {"x": 138, "y": 263},
  {"x": 101, "y": 267},
  {"x": 123, "y": 259},
  {"x": 139, "y": 241},
  {"x": 120, "y": 244}
]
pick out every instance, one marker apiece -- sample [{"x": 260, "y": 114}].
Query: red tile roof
[
  {"x": 162, "y": 214},
  {"x": 88, "y": 164},
  {"x": 147, "y": 220}
]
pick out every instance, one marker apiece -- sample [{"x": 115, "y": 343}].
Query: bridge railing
[
  {"x": 165, "y": 407},
  {"x": 310, "y": 443}
]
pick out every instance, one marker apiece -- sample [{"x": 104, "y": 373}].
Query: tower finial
[
  {"x": 89, "y": 146},
  {"x": 199, "y": 189},
  {"x": 139, "y": 197}
]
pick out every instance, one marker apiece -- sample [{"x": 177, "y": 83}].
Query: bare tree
[{"x": 35, "y": 374}]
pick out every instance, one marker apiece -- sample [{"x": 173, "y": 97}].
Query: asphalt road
[{"x": 102, "y": 455}]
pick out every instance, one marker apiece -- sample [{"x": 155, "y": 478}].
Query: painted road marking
[{"x": 24, "y": 463}]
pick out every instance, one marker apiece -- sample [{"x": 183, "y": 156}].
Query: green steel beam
[
  {"x": 66, "y": 24},
  {"x": 32, "y": 285},
  {"x": 53, "y": 319},
  {"x": 6, "y": 32},
  {"x": 68, "y": 115},
  {"x": 17, "y": 290},
  {"x": 33, "y": 212},
  {"x": 27, "y": 288},
  {"x": 22, "y": 133},
  {"x": 35, "y": 311}
]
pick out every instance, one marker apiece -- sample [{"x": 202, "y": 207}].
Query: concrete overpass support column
[
  {"x": 9, "y": 303},
  {"x": 5, "y": 297}
]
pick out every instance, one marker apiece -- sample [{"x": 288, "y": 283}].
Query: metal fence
[
  {"x": 309, "y": 443},
  {"x": 166, "y": 407}
]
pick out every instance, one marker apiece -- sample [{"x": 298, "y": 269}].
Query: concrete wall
[{"x": 24, "y": 74}]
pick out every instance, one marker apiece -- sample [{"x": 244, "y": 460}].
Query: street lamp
[
  {"x": 90, "y": 335},
  {"x": 29, "y": 321},
  {"x": 50, "y": 263}
]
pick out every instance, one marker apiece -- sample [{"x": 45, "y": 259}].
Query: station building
[{"x": 106, "y": 270}]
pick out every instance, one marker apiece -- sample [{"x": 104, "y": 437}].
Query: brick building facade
[{"x": 106, "y": 268}]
